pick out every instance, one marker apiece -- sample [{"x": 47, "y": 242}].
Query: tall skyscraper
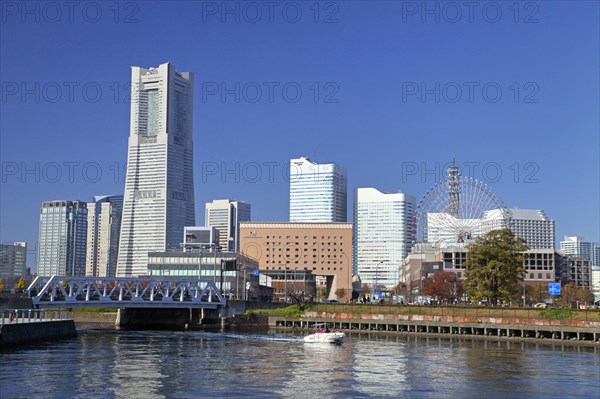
[
  {"x": 159, "y": 185},
  {"x": 318, "y": 192},
  {"x": 62, "y": 238},
  {"x": 225, "y": 215},
  {"x": 13, "y": 262},
  {"x": 383, "y": 234},
  {"x": 104, "y": 226}
]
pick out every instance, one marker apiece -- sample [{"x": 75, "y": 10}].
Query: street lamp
[{"x": 377, "y": 275}]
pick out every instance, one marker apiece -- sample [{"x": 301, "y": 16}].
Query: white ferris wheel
[{"x": 458, "y": 209}]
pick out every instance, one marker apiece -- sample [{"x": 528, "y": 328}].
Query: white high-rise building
[
  {"x": 62, "y": 238},
  {"x": 383, "y": 234},
  {"x": 159, "y": 185},
  {"x": 532, "y": 225},
  {"x": 104, "y": 226},
  {"x": 225, "y": 215},
  {"x": 318, "y": 192}
]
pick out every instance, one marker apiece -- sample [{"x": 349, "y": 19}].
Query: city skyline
[{"x": 357, "y": 112}]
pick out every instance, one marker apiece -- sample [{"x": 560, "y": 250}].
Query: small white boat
[{"x": 324, "y": 334}]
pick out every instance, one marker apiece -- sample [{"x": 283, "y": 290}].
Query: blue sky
[{"x": 389, "y": 90}]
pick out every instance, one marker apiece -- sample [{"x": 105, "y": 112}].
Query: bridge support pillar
[
  {"x": 154, "y": 319},
  {"x": 206, "y": 318}
]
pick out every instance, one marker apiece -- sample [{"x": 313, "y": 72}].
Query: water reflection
[
  {"x": 318, "y": 370},
  {"x": 163, "y": 364},
  {"x": 379, "y": 369}
]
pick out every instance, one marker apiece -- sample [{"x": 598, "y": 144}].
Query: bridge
[{"x": 123, "y": 292}]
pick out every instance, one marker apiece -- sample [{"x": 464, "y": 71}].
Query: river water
[{"x": 106, "y": 363}]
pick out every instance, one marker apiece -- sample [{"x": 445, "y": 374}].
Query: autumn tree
[
  {"x": 366, "y": 289},
  {"x": 585, "y": 296},
  {"x": 570, "y": 295},
  {"x": 20, "y": 284},
  {"x": 340, "y": 293},
  {"x": 537, "y": 292},
  {"x": 494, "y": 266},
  {"x": 443, "y": 286},
  {"x": 1, "y": 285}
]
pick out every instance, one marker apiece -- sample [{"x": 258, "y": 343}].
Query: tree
[
  {"x": 1, "y": 285},
  {"x": 494, "y": 266},
  {"x": 537, "y": 292},
  {"x": 570, "y": 295},
  {"x": 340, "y": 293},
  {"x": 20, "y": 284},
  {"x": 585, "y": 296},
  {"x": 443, "y": 286},
  {"x": 366, "y": 289}
]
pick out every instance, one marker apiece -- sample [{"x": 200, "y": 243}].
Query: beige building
[{"x": 324, "y": 249}]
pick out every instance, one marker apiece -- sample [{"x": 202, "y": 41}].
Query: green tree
[{"x": 494, "y": 266}]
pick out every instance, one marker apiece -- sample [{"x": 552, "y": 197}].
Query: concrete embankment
[
  {"x": 565, "y": 331},
  {"x": 247, "y": 322},
  {"x": 94, "y": 317},
  {"x": 25, "y": 333}
]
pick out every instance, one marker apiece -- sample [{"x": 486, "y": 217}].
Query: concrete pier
[{"x": 14, "y": 334}]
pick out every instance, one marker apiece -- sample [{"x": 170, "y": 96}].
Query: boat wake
[{"x": 261, "y": 337}]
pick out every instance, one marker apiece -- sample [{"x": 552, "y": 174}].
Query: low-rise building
[
  {"x": 234, "y": 274},
  {"x": 324, "y": 249},
  {"x": 425, "y": 258}
]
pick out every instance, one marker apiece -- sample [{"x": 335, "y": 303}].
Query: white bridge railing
[{"x": 123, "y": 292}]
